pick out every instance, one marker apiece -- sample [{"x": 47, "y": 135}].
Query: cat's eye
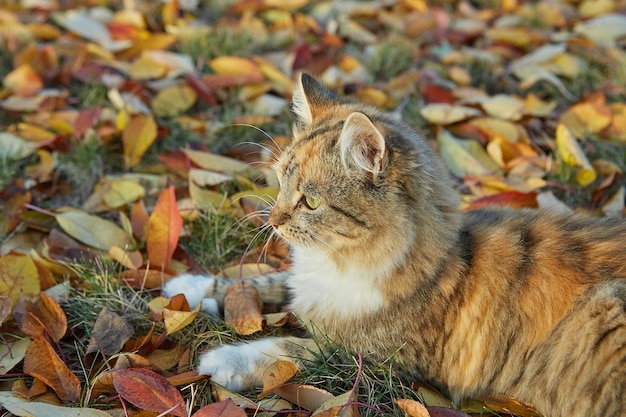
[{"x": 312, "y": 202}]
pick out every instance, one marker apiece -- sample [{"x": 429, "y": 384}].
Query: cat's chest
[{"x": 321, "y": 292}]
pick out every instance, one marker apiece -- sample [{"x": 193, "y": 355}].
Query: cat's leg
[
  {"x": 241, "y": 366},
  {"x": 210, "y": 290},
  {"x": 581, "y": 369}
]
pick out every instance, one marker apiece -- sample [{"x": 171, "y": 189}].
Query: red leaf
[
  {"x": 513, "y": 199},
  {"x": 225, "y": 408},
  {"x": 149, "y": 391},
  {"x": 164, "y": 227}
]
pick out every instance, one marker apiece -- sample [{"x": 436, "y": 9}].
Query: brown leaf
[
  {"x": 276, "y": 375},
  {"x": 242, "y": 308},
  {"x": 42, "y": 362},
  {"x": 305, "y": 396},
  {"x": 6, "y": 303},
  {"x": 138, "y": 135},
  {"x": 186, "y": 378},
  {"x": 438, "y": 411},
  {"x": 225, "y": 408},
  {"x": 46, "y": 318},
  {"x": 149, "y": 391},
  {"x": 109, "y": 333},
  {"x": 36, "y": 389}
]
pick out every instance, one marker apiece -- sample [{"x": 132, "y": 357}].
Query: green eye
[{"x": 312, "y": 202}]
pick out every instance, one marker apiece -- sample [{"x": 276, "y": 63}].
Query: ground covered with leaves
[{"x": 135, "y": 144}]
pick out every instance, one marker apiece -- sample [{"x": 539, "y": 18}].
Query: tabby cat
[{"x": 527, "y": 303}]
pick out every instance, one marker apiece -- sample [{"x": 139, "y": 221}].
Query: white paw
[
  {"x": 239, "y": 367},
  {"x": 194, "y": 288}
]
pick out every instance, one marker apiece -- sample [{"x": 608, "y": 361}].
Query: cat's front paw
[
  {"x": 239, "y": 367},
  {"x": 195, "y": 289}
]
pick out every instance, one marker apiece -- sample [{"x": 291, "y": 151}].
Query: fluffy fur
[{"x": 525, "y": 303}]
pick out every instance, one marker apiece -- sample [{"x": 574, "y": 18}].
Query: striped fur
[{"x": 527, "y": 303}]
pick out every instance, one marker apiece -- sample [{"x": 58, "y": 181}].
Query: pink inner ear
[{"x": 362, "y": 144}]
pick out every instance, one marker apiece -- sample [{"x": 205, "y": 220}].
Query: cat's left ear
[
  {"x": 309, "y": 98},
  {"x": 362, "y": 144}
]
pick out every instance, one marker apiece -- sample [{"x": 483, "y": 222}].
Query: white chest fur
[{"x": 319, "y": 289}]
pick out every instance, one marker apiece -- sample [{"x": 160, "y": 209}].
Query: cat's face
[{"x": 341, "y": 191}]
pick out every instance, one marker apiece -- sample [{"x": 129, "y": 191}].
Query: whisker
[{"x": 260, "y": 130}]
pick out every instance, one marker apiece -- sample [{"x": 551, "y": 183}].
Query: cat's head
[{"x": 356, "y": 181}]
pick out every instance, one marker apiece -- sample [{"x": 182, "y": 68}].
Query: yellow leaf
[
  {"x": 572, "y": 154},
  {"x": 493, "y": 127},
  {"x": 122, "y": 192},
  {"x": 504, "y": 106},
  {"x": 276, "y": 375},
  {"x": 534, "y": 106},
  {"x": 138, "y": 135},
  {"x": 213, "y": 162},
  {"x": 131, "y": 260},
  {"x": 566, "y": 64},
  {"x": 587, "y": 118},
  {"x": 443, "y": 113},
  {"x": 32, "y": 133},
  {"x": 176, "y": 320},
  {"x": 465, "y": 157},
  {"x": 236, "y": 66},
  {"x": 92, "y": 230},
  {"x": 121, "y": 119},
  {"x": 144, "y": 68},
  {"x": 519, "y": 37},
  {"x": 173, "y": 100},
  {"x": 18, "y": 275}
]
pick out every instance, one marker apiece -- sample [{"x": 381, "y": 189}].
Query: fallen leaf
[
  {"x": 176, "y": 320},
  {"x": 24, "y": 408},
  {"x": 572, "y": 154},
  {"x": 23, "y": 80},
  {"x": 438, "y": 411},
  {"x": 444, "y": 114},
  {"x": 122, "y": 192},
  {"x": 464, "y": 157},
  {"x": 242, "y": 308},
  {"x": 131, "y": 260},
  {"x": 504, "y": 106},
  {"x": 149, "y": 391},
  {"x": 44, "y": 319},
  {"x": 413, "y": 408},
  {"x": 92, "y": 230},
  {"x": 236, "y": 66},
  {"x": 36, "y": 389},
  {"x": 226, "y": 408},
  {"x": 219, "y": 163},
  {"x": 340, "y": 405},
  {"x": 109, "y": 334},
  {"x": 308, "y": 397},
  {"x": 164, "y": 227},
  {"x": 138, "y": 136},
  {"x": 12, "y": 351},
  {"x": 18, "y": 276},
  {"x": 173, "y": 100},
  {"x": 276, "y": 375},
  {"x": 42, "y": 362}
]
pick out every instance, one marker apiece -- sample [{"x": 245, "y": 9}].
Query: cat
[{"x": 527, "y": 303}]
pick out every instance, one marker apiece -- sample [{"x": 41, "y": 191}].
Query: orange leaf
[
  {"x": 23, "y": 80},
  {"x": 242, "y": 308},
  {"x": 42, "y": 362},
  {"x": 413, "y": 408},
  {"x": 139, "y": 220},
  {"x": 164, "y": 227},
  {"x": 46, "y": 318},
  {"x": 236, "y": 66},
  {"x": 225, "y": 408},
  {"x": 138, "y": 135},
  {"x": 149, "y": 391}
]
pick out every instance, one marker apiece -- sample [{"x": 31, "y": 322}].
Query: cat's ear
[
  {"x": 309, "y": 98},
  {"x": 362, "y": 144}
]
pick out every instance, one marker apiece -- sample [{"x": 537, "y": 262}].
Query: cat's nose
[{"x": 278, "y": 219}]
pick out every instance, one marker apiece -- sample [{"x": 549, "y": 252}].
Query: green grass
[
  {"x": 82, "y": 166},
  {"x": 392, "y": 57},
  {"x": 215, "y": 238},
  {"x": 204, "y": 43}
]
